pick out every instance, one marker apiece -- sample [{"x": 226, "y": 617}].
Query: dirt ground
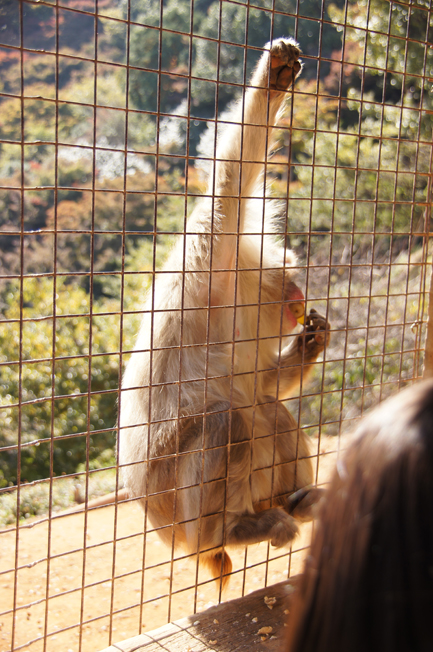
[{"x": 63, "y": 590}]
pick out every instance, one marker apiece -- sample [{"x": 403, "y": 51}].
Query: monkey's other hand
[
  {"x": 316, "y": 334},
  {"x": 284, "y": 530},
  {"x": 285, "y": 64}
]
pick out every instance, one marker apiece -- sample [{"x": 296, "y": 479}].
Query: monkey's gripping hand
[
  {"x": 278, "y": 69},
  {"x": 315, "y": 336},
  {"x": 285, "y": 64}
]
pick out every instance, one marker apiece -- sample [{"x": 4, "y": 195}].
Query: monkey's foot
[
  {"x": 316, "y": 334},
  {"x": 285, "y": 64},
  {"x": 274, "y": 525},
  {"x": 303, "y": 504}
]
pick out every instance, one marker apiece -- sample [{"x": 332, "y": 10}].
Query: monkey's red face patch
[{"x": 294, "y": 304}]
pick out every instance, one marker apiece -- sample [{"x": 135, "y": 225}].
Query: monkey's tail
[{"x": 219, "y": 565}]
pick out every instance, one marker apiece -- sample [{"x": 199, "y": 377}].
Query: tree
[
  {"x": 55, "y": 399},
  {"x": 397, "y": 40}
]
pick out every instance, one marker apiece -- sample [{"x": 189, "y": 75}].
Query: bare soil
[{"x": 63, "y": 590}]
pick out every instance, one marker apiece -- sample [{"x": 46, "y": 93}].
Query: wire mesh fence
[{"x": 109, "y": 115}]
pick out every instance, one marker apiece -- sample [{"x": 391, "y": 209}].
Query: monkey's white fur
[{"x": 204, "y": 440}]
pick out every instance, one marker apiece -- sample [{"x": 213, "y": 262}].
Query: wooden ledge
[{"x": 254, "y": 622}]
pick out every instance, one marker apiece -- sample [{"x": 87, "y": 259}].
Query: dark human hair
[{"x": 368, "y": 580}]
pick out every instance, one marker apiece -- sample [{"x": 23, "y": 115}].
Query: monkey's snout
[{"x": 297, "y": 308}]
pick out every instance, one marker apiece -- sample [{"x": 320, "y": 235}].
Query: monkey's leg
[{"x": 290, "y": 481}]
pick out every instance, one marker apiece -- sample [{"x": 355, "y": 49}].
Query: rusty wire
[{"x": 18, "y": 610}]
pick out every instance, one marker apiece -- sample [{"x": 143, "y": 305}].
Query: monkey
[{"x": 205, "y": 441}]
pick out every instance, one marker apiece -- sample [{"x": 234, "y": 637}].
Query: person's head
[{"x": 368, "y": 581}]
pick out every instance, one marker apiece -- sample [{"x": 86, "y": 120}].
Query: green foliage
[
  {"x": 377, "y": 359},
  {"x": 166, "y": 50},
  {"x": 67, "y": 390},
  {"x": 357, "y": 191},
  {"x": 384, "y": 46}
]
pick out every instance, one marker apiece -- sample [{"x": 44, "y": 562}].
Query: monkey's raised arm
[{"x": 242, "y": 151}]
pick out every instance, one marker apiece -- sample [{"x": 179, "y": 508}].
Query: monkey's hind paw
[
  {"x": 303, "y": 504},
  {"x": 285, "y": 64}
]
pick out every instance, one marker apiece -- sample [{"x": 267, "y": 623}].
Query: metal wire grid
[{"x": 329, "y": 400}]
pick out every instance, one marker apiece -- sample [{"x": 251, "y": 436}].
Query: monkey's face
[
  {"x": 294, "y": 305},
  {"x": 282, "y": 304}
]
